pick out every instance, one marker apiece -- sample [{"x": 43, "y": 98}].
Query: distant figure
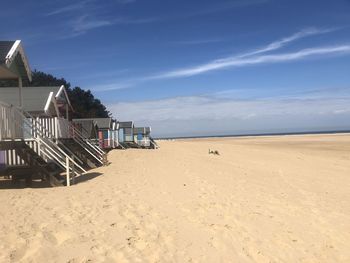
[{"x": 214, "y": 152}]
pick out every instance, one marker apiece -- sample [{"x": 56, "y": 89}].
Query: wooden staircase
[
  {"x": 154, "y": 145},
  {"x": 84, "y": 147},
  {"x": 19, "y": 127},
  {"x": 49, "y": 171},
  {"x": 81, "y": 153}
]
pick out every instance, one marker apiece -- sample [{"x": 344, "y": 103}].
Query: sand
[{"x": 266, "y": 199}]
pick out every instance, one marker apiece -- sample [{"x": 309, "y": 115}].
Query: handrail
[
  {"x": 87, "y": 140},
  {"x": 41, "y": 138},
  {"x": 156, "y": 146},
  {"x": 46, "y": 131},
  {"x": 50, "y": 150},
  {"x": 84, "y": 142}
]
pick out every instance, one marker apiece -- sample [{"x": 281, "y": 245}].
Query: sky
[{"x": 197, "y": 67}]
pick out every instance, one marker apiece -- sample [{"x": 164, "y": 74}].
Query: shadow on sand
[
  {"x": 86, "y": 177},
  {"x": 20, "y": 184}
]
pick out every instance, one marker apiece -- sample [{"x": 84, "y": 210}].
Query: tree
[{"x": 84, "y": 103}]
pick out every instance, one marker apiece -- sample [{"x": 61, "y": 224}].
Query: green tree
[{"x": 84, "y": 103}]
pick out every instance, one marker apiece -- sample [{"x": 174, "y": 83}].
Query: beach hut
[
  {"x": 142, "y": 136},
  {"x": 51, "y": 108},
  {"x": 126, "y": 132},
  {"x": 40, "y": 101},
  {"x": 88, "y": 128},
  {"x": 105, "y": 131},
  {"x": 14, "y": 65},
  {"x": 115, "y": 134},
  {"x": 33, "y": 120}
]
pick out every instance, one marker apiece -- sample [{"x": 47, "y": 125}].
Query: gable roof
[
  {"x": 35, "y": 99},
  {"x": 102, "y": 123},
  {"x": 125, "y": 124},
  {"x": 13, "y": 61},
  {"x": 142, "y": 130}
]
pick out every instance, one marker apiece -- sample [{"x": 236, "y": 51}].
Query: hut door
[
  {"x": 100, "y": 139},
  {"x": 121, "y": 135}
]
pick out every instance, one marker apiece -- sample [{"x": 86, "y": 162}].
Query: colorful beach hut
[
  {"x": 126, "y": 132},
  {"x": 106, "y": 131},
  {"x": 142, "y": 136}
]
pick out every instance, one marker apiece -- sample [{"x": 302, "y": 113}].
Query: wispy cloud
[
  {"x": 254, "y": 57},
  {"x": 82, "y": 5},
  {"x": 241, "y": 59},
  {"x": 240, "y": 62},
  {"x": 220, "y": 7},
  {"x": 284, "y": 41},
  {"x": 198, "y": 41},
  {"x": 85, "y": 23},
  {"x": 69, "y": 8},
  {"x": 125, "y": 1}
]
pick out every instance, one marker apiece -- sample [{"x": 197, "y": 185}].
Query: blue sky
[{"x": 197, "y": 67}]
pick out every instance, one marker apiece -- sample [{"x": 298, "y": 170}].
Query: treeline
[{"x": 84, "y": 103}]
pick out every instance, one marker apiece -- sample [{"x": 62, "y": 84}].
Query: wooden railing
[
  {"x": 55, "y": 128},
  {"x": 95, "y": 151},
  {"x": 18, "y": 124},
  {"x": 146, "y": 142},
  {"x": 8, "y": 119}
]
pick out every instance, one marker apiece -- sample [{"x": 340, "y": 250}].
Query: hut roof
[
  {"x": 35, "y": 99},
  {"x": 102, "y": 123},
  {"x": 13, "y": 61},
  {"x": 142, "y": 130},
  {"x": 125, "y": 124}
]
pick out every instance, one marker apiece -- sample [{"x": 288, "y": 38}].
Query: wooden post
[
  {"x": 73, "y": 171},
  {"x": 67, "y": 172},
  {"x": 67, "y": 112},
  {"x": 20, "y": 92}
]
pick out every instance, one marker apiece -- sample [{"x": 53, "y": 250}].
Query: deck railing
[
  {"x": 54, "y": 127},
  {"x": 95, "y": 151},
  {"x": 8, "y": 117},
  {"x": 145, "y": 142},
  {"x": 18, "y": 124}
]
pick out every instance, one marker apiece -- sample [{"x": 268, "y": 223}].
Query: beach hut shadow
[
  {"x": 86, "y": 177},
  {"x": 8, "y": 184}
]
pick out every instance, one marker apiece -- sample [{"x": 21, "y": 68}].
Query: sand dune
[{"x": 267, "y": 199}]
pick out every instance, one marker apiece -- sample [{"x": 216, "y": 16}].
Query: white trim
[
  {"x": 15, "y": 49},
  {"x": 63, "y": 88},
  {"x": 12, "y": 51},
  {"x": 59, "y": 91},
  {"x": 49, "y": 100}
]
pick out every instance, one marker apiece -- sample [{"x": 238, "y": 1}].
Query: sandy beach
[{"x": 263, "y": 199}]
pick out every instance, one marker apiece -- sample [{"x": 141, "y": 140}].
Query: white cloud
[
  {"x": 85, "y": 23},
  {"x": 198, "y": 41},
  {"x": 254, "y": 60},
  {"x": 249, "y": 58},
  {"x": 284, "y": 41},
  {"x": 69, "y": 8},
  {"x": 198, "y": 114}
]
